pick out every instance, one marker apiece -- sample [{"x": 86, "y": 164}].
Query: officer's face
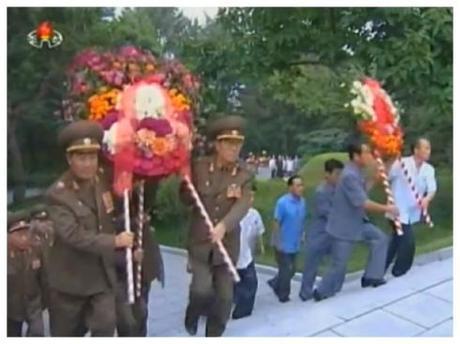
[
  {"x": 83, "y": 165},
  {"x": 423, "y": 150},
  {"x": 228, "y": 150}
]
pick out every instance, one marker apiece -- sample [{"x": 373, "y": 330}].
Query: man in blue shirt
[
  {"x": 290, "y": 213},
  {"x": 423, "y": 175},
  {"x": 318, "y": 240}
]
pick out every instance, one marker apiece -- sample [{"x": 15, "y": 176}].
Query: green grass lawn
[{"x": 428, "y": 239}]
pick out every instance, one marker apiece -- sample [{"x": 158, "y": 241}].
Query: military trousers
[
  {"x": 33, "y": 320},
  {"x": 132, "y": 318},
  {"x": 402, "y": 250},
  {"x": 14, "y": 328},
  {"x": 72, "y": 315},
  {"x": 211, "y": 291},
  {"x": 341, "y": 250}
]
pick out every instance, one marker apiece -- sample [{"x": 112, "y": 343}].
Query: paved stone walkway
[{"x": 418, "y": 304}]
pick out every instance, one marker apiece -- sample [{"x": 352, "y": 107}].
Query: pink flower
[
  {"x": 129, "y": 51},
  {"x": 158, "y": 78},
  {"x": 161, "y": 127},
  {"x": 108, "y": 120}
]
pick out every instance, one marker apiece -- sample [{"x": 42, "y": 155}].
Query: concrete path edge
[{"x": 422, "y": 259}]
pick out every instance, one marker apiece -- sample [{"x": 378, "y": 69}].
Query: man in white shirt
[
  {"x": 423, "y": 176},
  {"x": 251, "y": 236},
  {"x": 289, "y": 166},
  {"x": 272, "y": 165}
]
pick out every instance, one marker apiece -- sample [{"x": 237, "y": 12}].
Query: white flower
[
  {"x": 357, "y": 84},
  {"x": 109, "y": 138},
  {"x": 150, "y": 102}
]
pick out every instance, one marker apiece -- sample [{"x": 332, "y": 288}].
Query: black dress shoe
[
  {"x": 372, "y": 282},
  {"x": 236, "y": 316},
  {"x": 317, "y": 296},
  {"x": 284, "y": 299},
  {"x": 271, "y": 283},
  {"x": 303, "y": 298},
  {"x": 191, "y": 325}
]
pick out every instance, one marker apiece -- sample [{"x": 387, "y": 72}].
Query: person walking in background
[
  {"x": 279, "y": 166},
  {"x": 285, "y": 166},
  {"x": 24, "y": 272},
  {"x": 290, "y": 213},
  {"x": 348, "y": 223},
  {"x": 289, "y": 166},
  {"x": 272, "y": 165},
  {"x": 318, "y": 240},
  {"x": 402, "y": 247},
  {"x": 251, "y": 241},
  {"x": 296, "y": 163}
]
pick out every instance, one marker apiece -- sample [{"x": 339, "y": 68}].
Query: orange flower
[
  {"x": 149, "y": 67},
  {"x": 100, "y": 104},
  {"x": 160, "y": 146},
  {"x": 178, "y": 100},
  {"x": 146, "y": 138}
]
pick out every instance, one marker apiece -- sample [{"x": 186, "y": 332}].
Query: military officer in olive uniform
[
  {"x": 224, "y": 186},
  {"x": 42, "y": 229},
  {"x": 25, "y": 303},
  {"x": 81, "y": 266}
]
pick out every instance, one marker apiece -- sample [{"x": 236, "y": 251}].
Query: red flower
[{"x": 161, "y": 127}]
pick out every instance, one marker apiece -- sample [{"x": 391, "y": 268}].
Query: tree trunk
[{"x": 19, "y": 175}]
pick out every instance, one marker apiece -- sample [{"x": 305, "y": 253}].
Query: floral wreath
[
  {"x": 129, "y": 85},
  {"x": 377, "y": 117}
]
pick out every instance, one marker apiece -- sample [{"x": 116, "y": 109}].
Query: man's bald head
[{"x": 421, "y": 148}]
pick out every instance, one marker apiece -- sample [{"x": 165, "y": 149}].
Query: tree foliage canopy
[{"x": 288, "y": 70}]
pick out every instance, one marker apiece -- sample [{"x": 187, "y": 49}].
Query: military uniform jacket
[
  {"x": 82, "y": 258},
  {"x": 24, "y": 273},
  {"x": 225, "y": 194}
]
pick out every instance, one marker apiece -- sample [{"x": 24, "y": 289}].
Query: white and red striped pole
[
  {"x": 140, "y": 238},
  {"x": 417, "y": 196},
  {"x": 129, "y": 252},
  {"x": 386, "y": 184},
  {"x": 208, "y": 222}
]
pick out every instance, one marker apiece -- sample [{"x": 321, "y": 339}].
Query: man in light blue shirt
[
  {"x": 423, "y": 175},
  {"x": 290, "y": 214}
]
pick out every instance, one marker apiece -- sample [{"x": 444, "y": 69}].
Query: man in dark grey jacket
[
  {"x": 318, "y": 240},
  {"x": 348, "y": 223}
]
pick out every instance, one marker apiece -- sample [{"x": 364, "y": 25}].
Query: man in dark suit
[
  {"x": 318, "y": 240},
  {"x": 348, "y": 223}
]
